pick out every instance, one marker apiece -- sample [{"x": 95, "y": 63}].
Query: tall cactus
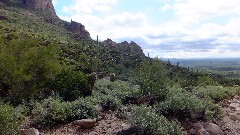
[{"x": 112, "y": 77}]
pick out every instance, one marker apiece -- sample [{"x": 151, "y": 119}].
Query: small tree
[
  {"x": 151, "y": 76},
  {"x": 26, "y": 65}
]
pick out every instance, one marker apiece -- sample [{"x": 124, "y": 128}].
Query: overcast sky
[{"x": 163, "y": 28}]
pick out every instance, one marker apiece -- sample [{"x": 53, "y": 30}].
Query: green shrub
[
  {"x": 148, "y": 122},
  {"x": 216, "y": 93},
  {"x": 151, "y": 76},
  {"x": 10, "y": 119},
  {"x": 110, "y": 102},
  {"x": 205, "y": 81},
  {"x": 121, "y": 90},
  {"x": 182, "y": 105},
  {"x": 213, "y": 111},
  {"x": 26, "y": 65},
  {"x": 83, "y": 110},
  {"x": 70, "y": 85},
  {"x": 53, "y": 111}
]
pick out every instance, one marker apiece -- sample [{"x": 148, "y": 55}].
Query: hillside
[
  {"x": 54, "y": 78},
  {"x": 77, "y": 46}
]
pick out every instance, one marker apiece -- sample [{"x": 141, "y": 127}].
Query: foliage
[
  {"x": 151, "y": 76},
  {"x": 213, "y": 111},
  {"x": 111, "y": 95},
  {"x": 121, "y": 90},
  {"x": 148, "y": 122},
  {"x": 182, "y": 105},
  {"x": 53, "y": 111},
  {"x": 10, "y": 119},
  {"x": 205, "y": 80},
  {"x": 26, "y": 65},
  {"x": 216, "y": 93},
  {"x": 109, "y": 102},
  {"x": 70, "y": 85}
]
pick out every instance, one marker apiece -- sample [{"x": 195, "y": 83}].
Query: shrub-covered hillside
[{"x": 54, "y": 78}]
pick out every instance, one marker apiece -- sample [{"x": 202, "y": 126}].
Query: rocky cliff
[
  {"x": 3, "y": 13},
  {"x": 79, "y": 30},
  {"x": 132, "y": 47},
  {"x": 32, "y": 4},
  {"x": 39, "y": 4}
]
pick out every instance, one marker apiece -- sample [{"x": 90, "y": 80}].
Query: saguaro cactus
[
  {"x": 112, "y": 77},
  {"x": 92, "y": 79}
]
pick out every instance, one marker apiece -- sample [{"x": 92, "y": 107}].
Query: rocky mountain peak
[
  {"x": 79, "y": 29},
  {"x": 39, "y": 4}
]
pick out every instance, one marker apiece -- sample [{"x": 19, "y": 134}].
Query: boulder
[
  {"x": 235, "y": 117},
  {"x": 184, "y": 132},
  {"x": 213, "y": 129},
  {"x": 85, "y": 123},
  {"x": 39, "y": 4},
  {"x": 30, "y": 131},
  {"x": 202, "y": 132},
  {"x": 197, "y": 126},
  {"x": 192, "y": 131},
  {"x": 232, "y": 107}
]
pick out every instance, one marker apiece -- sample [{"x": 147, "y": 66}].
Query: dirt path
[
  {"x": 108, "y": 126},
  {"x": 231, "y": 122}
]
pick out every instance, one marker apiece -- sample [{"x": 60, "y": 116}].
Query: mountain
[{"x": 38, "y": 18}]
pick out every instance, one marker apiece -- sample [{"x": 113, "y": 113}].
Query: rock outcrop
[
  {"x": 201, "y": 128},
  {"x": 133, "y": 47},
  {"x": 32, "y": 4},
  {"x": 39, "y": 4},
  {"x": 85, "y": 123},
  {"x": 31, "y": 131},
  {"x": 79, "y": 30},
  {"x": 3, "y": 13}
]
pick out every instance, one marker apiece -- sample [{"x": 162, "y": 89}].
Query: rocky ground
[
  {"x": 231, "y": 122},
  {"x": 229, "y": 125},
  {"x": 110, "y": 124}
]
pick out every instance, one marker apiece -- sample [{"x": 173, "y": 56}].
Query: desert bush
[
  {"x": 205, "y": 81},
  {"x": 213, "y": 111},
  {"x": 83, "y": 110},
  {"x": 70, "y": 85},
  {"x": 10, "y": 119},
  {"x": 182, "y": 105},
  {"x": 26, "y": 65},
  {"x": 148, "y": 122},
  {"x": 109, "y": 102},
  {"x": 151, "y": 76},
  {"x": 54, "y": 111},
  {"x": 121, "y": 90},
  {"x": 216, "y": 93}
]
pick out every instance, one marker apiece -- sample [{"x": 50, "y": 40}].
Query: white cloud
[
  {"x": 197, "y": 10},
  {"x": 166, "y": 7},
  {"x": 117, "y": 26},
  {"x": 191, "y": 27},
  {"x": 89, "y": 6}
]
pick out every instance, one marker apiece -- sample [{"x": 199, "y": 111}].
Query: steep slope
[{"x": 38, "y": 18}]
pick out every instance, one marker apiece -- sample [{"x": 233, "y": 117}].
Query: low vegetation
[
  {"x": 148, "y": 122},
  {"x": 45, "y": 76}
]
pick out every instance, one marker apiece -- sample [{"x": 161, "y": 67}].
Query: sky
[{"x": 163, "y": 28}]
